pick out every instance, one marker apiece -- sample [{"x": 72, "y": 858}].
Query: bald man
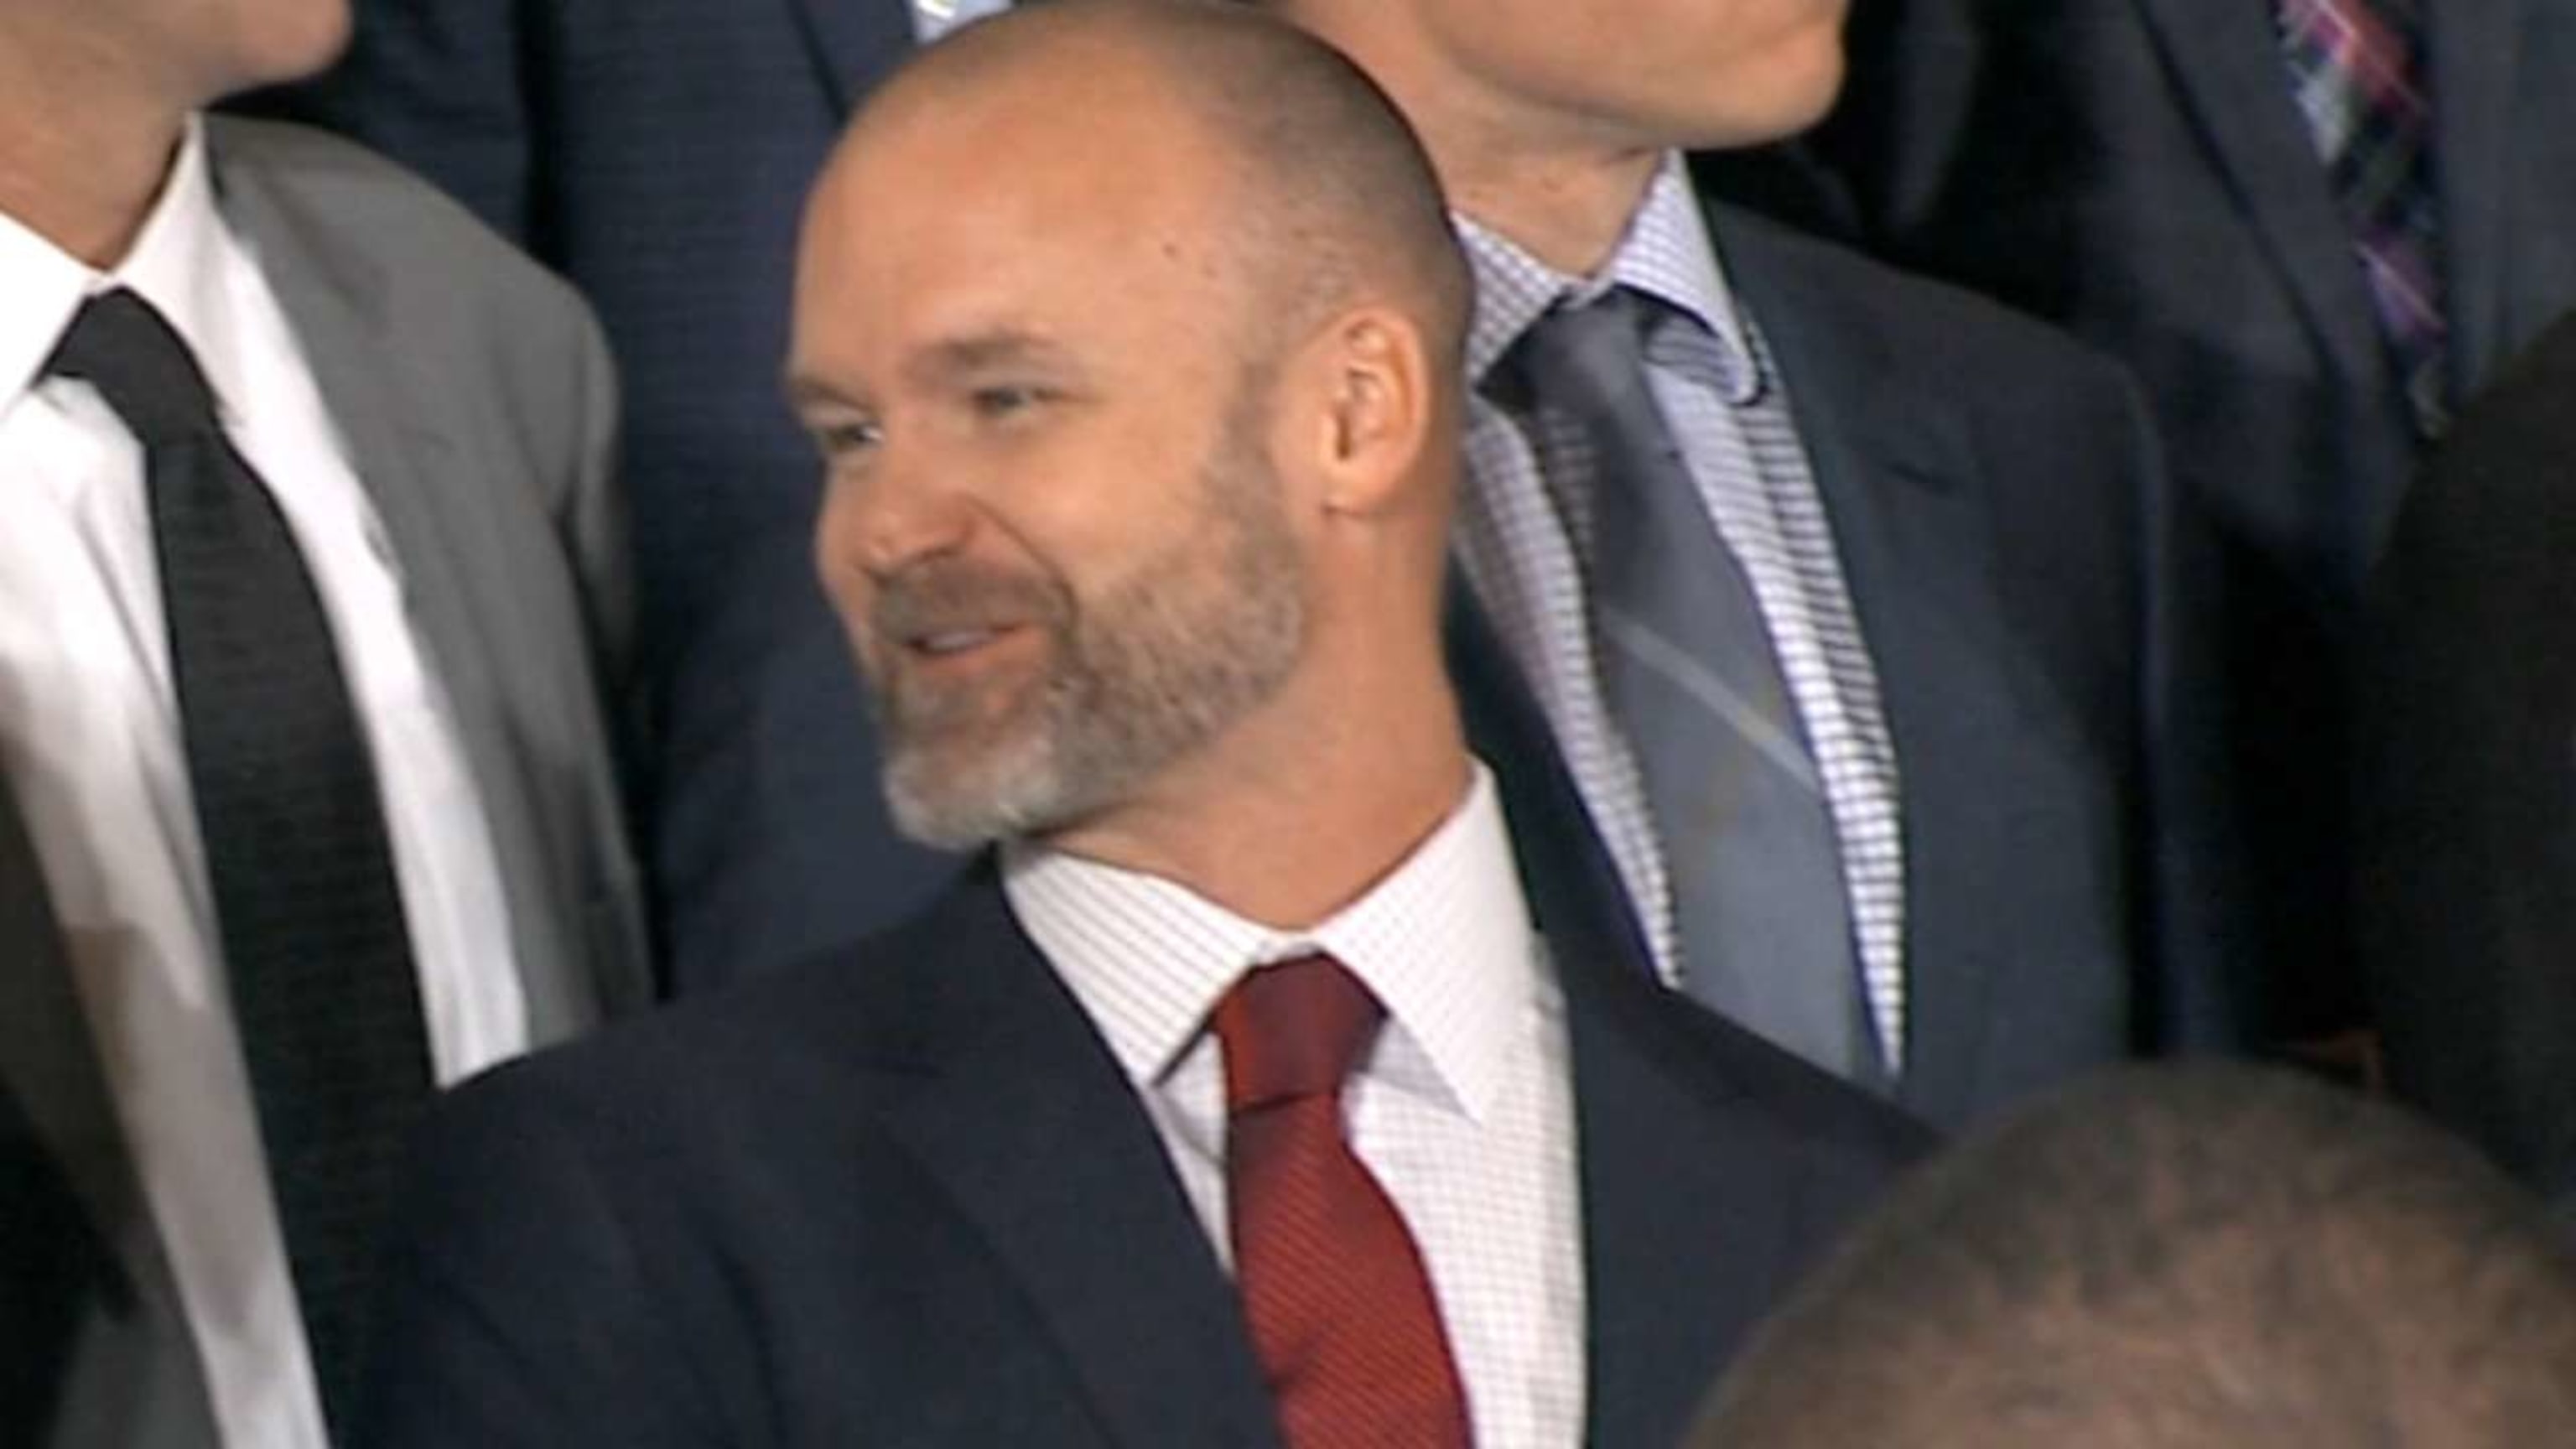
[
  {"x": 1247, "y": 1092},
  {"x": 2179, "y": 1258}
]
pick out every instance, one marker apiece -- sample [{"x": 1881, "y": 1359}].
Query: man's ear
[{"x": 1368, "y": 400}]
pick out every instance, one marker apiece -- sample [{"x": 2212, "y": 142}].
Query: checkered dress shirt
[
  {"x": 1730, "y": 411},
  {"x": 1463, "y": 1110}
]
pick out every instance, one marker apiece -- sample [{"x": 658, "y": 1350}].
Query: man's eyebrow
[
  {"x": 805, "y": 392},
  {"x": 942, "y": 361},
  {"x": 980, "y": 352}
]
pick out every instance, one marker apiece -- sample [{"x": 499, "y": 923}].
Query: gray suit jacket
[{"x": 477, "y": 404}]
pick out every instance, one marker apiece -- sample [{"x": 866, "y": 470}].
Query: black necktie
[{"x": 308, "y": 913}]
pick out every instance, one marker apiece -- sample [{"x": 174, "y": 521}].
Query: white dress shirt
[
  {"x": 1464, "y": 1108},
  {"x": 89, "y": 733},
  {"x": 1738, "y": 434},
  {"x": 932, "y": 19}
]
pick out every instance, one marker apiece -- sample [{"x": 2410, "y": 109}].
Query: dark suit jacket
[
  {"x": 2468, "y": 803},
  {"x": 474, "y": 394},
  {"x": 2012, "y": 546},
  {"x": 657, "y": 153},
  {"x": 2135, "y": 170},
  {"x": 905, "y": 1195}
]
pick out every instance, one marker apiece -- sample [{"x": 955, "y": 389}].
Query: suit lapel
[
  {"x": 93, "y": 1325},
  {"x": 1898, "y": 477},
  {"x": 2226, "y": 61},
  {"x": 1678, "y": 1248},
  {"x": 1031, "y": 1124},
  {"x": 329, "y": 289},
  {"x": 2473, "y": 69},
  {"x": 1682, "y": 1249},
  {"x": 856, "y": 42}
]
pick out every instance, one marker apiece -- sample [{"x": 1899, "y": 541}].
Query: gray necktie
[{"x": 1688, "y": 672}]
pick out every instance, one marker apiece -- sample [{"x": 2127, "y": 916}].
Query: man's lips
[
  {"x": 957, "y": 641},
  {"x": 953, "y": 641}
]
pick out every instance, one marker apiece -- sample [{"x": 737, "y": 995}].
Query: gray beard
[{"x": 1199, "y": 638}]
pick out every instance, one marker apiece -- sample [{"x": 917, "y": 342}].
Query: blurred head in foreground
[{"x": 2179, "y": 1258}]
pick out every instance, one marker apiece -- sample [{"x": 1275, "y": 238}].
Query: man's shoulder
[
  {"x": 874, "y": 1011},
  {"x": 2492, "y": 528},
  {"x": 1778, "y": 1105},
  {"x": 1809, "y": 1112},
  {"x": 419, "y": 253},
  {"x": 1940, "y": 331},
  {"x": 2524, "y": 409}
]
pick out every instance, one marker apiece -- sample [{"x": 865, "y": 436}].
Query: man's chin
[{"x": 963, "y": 800}]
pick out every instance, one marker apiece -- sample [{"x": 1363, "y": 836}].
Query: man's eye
[
  {"x": 1002, "y": 400},
  {"x": 844, "y": 439}
]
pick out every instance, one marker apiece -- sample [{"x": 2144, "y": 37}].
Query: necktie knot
[
  {"x": 1594, "y": 355},
  {"x": 121, "y": 345},
  {"x": 1293, "y": 1031},
  {"x": 1583, "y": 356}
]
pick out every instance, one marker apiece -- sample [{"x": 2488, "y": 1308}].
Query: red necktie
[{"x": 1339, "y": 1306}]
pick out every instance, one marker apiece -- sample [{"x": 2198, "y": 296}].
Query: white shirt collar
[
  {"x": 176, "y": 264},
  {"x": 1444, "y": 941}
]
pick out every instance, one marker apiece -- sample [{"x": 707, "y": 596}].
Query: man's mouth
[
  {"x": 954, "y": 641},
  {"x": 958, "y": 642}
]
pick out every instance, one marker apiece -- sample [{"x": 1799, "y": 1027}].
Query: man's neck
[
  {"x": 81, "y": 159},
  {"x": 1568, "y": 211},
  {"x": 1559, "y": 181},
  {"x": 1287, "y": 831}
]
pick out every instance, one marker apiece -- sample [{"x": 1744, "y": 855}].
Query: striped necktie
[
  {"x": 1334, "y": 1289},
  {"x": 2357, "y": 72},
  {"x": 1689, "y": 672}
]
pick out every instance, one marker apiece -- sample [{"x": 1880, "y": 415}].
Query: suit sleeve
[{"x": 518, "y": 1310}]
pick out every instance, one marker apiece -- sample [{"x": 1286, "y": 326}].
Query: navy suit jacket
[
  {"x": 657, "y": 152},
  {"x": 2136, "y": 170},
  {"x": 2060, "y": 884},
  {"x": 905, "y": 1195},
  {"x": 2014, "y": 551},
  {"x": 2468, "y": 802}
]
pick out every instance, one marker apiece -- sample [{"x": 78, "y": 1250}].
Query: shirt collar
[
  {"x": 1444, "y": 941},
  {"x": 1666, "y": 253},
  {"x": 176, "y": 264}
]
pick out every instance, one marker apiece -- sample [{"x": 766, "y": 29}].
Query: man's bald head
[
  {"x": 1330, "y": 195},
  {"x": 2180, "y": 1258},
  {"x": 1130, "y": 333}
]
